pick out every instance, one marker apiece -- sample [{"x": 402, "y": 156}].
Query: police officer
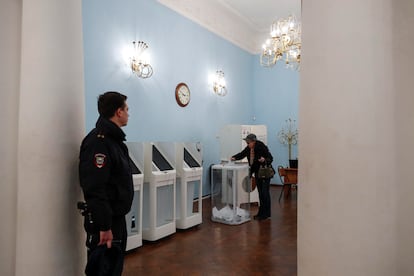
[{"x": 106, "y": 180}]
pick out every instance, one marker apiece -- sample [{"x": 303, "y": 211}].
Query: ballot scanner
[
  {"x": 159, "y": 191},
  {"x": 134, "y": 217},
  {"x": 188, "y": 184}
]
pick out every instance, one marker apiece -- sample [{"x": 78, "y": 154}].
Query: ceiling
[{"x": 245, "y": 23}]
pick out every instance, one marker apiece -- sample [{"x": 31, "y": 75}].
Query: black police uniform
[
  {"x": 106, "y": 180},
  {"x": 262, "y": 184}
]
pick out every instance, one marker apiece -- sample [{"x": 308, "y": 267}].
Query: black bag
[
  {"x": 103, "y": 261},
  {"x": 266, "y": 171}
]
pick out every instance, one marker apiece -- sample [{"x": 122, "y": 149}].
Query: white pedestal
[
  {"x": 187, "y": 214},
  {"x": 159, "y": 206},
  {"x": 134, "y": 217}
]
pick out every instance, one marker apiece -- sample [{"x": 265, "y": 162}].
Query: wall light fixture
[
  {"x": 219, "y": 84},
  {"x": 139, "y": 60}
]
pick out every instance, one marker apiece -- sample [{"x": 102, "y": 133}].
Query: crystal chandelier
[{"x": 284, "y": 43}]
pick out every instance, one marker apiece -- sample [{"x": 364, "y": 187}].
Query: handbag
[{"x": 266, "y": 171}]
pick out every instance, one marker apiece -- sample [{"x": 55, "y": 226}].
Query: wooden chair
[{"x": 288, "y": 177}]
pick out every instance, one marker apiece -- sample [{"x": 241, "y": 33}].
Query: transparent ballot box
[{"x": 229, "y": 203}]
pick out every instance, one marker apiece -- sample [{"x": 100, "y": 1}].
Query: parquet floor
[{"x": 266, "y": 247}]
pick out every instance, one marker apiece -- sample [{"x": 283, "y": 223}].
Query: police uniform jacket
[
  {"x": 260, "y": 150},
  {"x": 105, "y": 173}
]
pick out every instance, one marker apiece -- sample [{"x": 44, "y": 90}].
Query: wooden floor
[{"x": 254, "y": 248}]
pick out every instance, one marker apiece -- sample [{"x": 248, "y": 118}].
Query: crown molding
[{"x": 220, "y": 19}]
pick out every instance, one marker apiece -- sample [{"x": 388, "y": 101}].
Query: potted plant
[{"x": 288, "y": 135}]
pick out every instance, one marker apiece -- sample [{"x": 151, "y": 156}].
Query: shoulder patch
[{"x": 99, "y": 160}]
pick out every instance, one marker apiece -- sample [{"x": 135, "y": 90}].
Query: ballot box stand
[
  {"x": 134, "y": 217},
  {"x": 189, "y": 181},
  {"x": 158, "y": 192}
]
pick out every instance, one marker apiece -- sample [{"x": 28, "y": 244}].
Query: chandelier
[{"x": 284, "y": 43}]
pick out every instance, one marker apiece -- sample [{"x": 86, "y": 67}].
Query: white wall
[
  {"x": 42, "y": 118},
  {"x": 357, "y": 139},
  {"x": 10, "y": 18}
]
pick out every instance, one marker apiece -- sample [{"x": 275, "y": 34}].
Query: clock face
[{"x": 182, "y": 94}]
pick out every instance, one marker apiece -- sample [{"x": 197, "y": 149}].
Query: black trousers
[
  {"x": 103, "y": 261},
  {"x": 263, "y": 185}
]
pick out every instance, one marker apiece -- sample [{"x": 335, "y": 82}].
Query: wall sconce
[
  {"x": 219, "y": 83},
  {"x": 139, "y": 60}
]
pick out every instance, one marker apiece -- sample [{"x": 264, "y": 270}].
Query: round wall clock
[{"x": 182, "y": 94}]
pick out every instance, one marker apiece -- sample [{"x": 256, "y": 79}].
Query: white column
[
  {"x": 10, "y": 25},
  {"x": 51, "y": 126},
  {"x": 403, "y": 183},
  {"x": 356, "y": 139}
]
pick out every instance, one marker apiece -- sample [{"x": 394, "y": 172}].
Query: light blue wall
[
  {"x": 276, "y": 92},
  {"x": 181, "y": 51}
]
